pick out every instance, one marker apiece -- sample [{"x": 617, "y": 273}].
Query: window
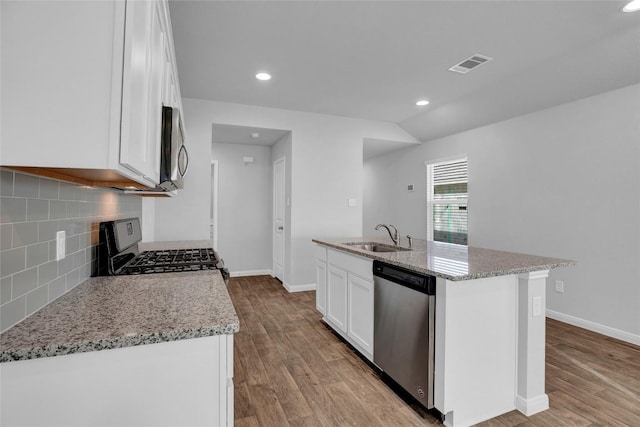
[{"x": 447, "y": 201}]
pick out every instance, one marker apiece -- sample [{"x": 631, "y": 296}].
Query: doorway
[
  {"x": 278, "y": 218},
  {"x": 213, "y": 224}
]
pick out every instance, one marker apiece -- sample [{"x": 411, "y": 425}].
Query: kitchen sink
[{"x": 376, "y": 247}]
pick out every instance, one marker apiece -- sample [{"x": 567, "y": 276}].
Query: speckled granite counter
[
  {"x": 452, "y": 262},
  {"x": 122, "y": 311}
]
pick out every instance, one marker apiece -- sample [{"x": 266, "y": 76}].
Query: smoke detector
[{"x": 470, "y": 63}]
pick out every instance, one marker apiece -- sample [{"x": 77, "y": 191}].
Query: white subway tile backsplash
[
  {"x": 73, "y": 226},
  {"x": 47, "y": 272},
  {"x": 57, "y": 209},
  {"x": 24, "y": 282},
  {"x": 79, "y": 259},
  {"x": 47, "y": 230},
  {"x": 85, "y": 240},
  {"x": 73, "y": 209},
  {"x": 37, "y": 299},
  {"x": 32, "y": 210},
  {"x": 57, "y": 288},
  {"x": 49, "y": 189},
  {"x": 24, "y": 233},
  {"x": 66, "y": 191},
  {"x": 73, "y": 279},
  {"x": 73, "y": 244},
  {"x": 65, "y": 266},
  {"x": 12, "y": 261},
  {"x": 6, "y": 236},
  {"x": 52, "y": 251},
  {"x": 37, "y": 254},
  {"x": 37, "y": 209},
  {"x": 25, "y": 185},
  {"x": 84, "y": 209},
  {"x": 12, "y": 312},
  {"x": 6, "y": 183},
  {"x": 5, "y": 289},
  {"x": 13, "y": 210}
]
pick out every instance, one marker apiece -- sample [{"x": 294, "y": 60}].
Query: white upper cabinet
[
  {"x": 144, "y": 69},
  {"x": 83, "y": 85}
]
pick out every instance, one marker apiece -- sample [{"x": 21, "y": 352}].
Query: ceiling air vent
[{"x": 470, "y": 63}]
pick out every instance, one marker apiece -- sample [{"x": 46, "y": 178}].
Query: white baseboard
[
  {"x": 533, "y": 405},
  {"x": 594, "y": 327},
  {"x": 299, "y": 288},
  {"x": 251, "y": 273}
]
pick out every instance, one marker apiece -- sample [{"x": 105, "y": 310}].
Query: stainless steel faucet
[{"x": 394, "y": 235}]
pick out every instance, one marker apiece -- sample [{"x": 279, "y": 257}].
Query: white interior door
[
  {"x": 213, "y": 225},
  {"x": 278, "y": 218}
]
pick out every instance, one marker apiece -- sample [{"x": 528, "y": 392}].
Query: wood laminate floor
[{"x": 291, "y": 370}]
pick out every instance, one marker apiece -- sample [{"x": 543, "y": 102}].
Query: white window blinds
[{"x": 447, "y": 201}]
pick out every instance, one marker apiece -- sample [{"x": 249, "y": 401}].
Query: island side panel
[
  {"x": 531, "y": 397},
  {"x": 182, "y": 382},
  {"x": 476, "y": 344}
]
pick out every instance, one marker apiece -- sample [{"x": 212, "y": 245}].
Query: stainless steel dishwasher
[{"x": 404, "y": 317}]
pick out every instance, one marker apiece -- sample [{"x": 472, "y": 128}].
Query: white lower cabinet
[
  {"x": 337, "y": 298},
  {"x": 176, "y": 383},
  {"x": 344, "y": 295},
  {"x": 321, "y": 286},
  {"x": 360, "y": 322}
]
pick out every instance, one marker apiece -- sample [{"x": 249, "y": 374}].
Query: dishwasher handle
[{"x": 417, "y": 281}]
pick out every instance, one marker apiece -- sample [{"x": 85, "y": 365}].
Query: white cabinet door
[
  {"x": 144, "y": 65},
  {"x": 321, "y": 286},
  {"x": 108, "y": 106},
  {"x": 337, "y": 298},
  {"x": 361, "y": 312}
]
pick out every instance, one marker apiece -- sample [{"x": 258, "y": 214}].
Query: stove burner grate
[{"x": 170, "y": 261}]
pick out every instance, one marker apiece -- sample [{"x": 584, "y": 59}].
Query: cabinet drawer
[{"x": 361, "y": 266}]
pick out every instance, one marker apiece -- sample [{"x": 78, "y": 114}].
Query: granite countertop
[
  {"x": 449, "y": 261},
  {"x": 122, "y": 311}
]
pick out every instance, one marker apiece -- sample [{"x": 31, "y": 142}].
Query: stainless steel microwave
[{"x": 174, "y": 158}]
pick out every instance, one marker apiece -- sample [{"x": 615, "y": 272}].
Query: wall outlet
[
  {"x": 559, "y": 286},
  {"x": 537, "y": 306},
  {"x": 61, "y": 246},
  {"x": 352, "y": 203}
]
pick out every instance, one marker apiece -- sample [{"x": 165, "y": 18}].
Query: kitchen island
[
  {"x": 489, "y": 319},
  {"x": 153, "y": 349}
]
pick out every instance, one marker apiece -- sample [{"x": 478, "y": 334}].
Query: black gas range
[{"x": 118, "y": 254}]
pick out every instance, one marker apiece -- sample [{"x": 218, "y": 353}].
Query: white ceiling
[
  {"x": 232, "y": 134},
  {"x": 375, "y": 59}
]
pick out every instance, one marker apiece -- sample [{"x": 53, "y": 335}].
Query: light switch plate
[
  {"x": 61, "y": 247},
  {"x": 559, "y": 286},
  {"x": 353, "y": 202}
]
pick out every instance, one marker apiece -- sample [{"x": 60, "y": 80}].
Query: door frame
[
  {"x": 214, "y": 202},
  {"x": 282, "y": 160}
]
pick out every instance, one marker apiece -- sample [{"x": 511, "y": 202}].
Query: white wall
[
  {"x": 244, "y": 206},
  {"x": 562, "y": 182},
  {"x": 326, "y": 170}
]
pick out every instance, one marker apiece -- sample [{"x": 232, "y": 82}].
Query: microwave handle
[{"x": 183, "y": 149}]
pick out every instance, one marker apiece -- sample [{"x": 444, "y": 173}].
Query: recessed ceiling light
[
  {"x": 255, "y": 135},
  {"x": 422, "y": 103},
  {"x": 632, "y": 6},
  {"x": 263, "y": 76}
]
